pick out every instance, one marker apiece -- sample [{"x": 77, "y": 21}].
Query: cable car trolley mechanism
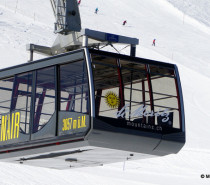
[{"x": 83, "y": 106}]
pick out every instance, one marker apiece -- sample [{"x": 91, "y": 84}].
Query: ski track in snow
[{"x": 181, "y": 39}]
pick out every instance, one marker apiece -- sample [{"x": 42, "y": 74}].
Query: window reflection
[
  {"x": 74, "y": 89},
  {"x": 135, "y": 95}
]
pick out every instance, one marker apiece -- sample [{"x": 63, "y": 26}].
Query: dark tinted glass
[
  {"x": 6, "y": 87},
  {"x": 73, "y": 119},
  {"x": 45, "y": 98},
  {"x": 15, "y": 106},
  {"x": 21, "y": 99},
  {"x": 136, "y": 95},
  {"x": 74, "y": 87}
]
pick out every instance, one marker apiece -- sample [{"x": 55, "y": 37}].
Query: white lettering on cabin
[{"x": 141, "y": 111}]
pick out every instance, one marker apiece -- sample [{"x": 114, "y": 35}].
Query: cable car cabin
[{"x": 89, "y": 105}]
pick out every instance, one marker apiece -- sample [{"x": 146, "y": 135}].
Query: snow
[
  {"x": 182, "y": 33},
  {"x": 199, "y": 10}
]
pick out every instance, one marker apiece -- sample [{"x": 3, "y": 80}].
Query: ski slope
[
  {"x": 199, "y": 10},
  {"x": 182, "y": 35}
]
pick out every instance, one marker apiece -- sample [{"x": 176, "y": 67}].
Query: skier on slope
[
  {"x": 153, "y": 43},
  {"x": 96, "y": 10},
  {"x": 79, "y": 2},
  {"x": 124, "y": 22}
]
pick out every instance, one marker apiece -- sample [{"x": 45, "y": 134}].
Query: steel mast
[{"x": 71, "y": 37}]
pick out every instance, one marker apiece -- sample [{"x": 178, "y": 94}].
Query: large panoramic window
[
  {"x": 135, "y": 95},
  {"x": 28, "y": 103},
  {"x": 49, "y": 101},
  {"x": 164, "y": 92},
  {"x": 45, "y": 97},
  {"x": 15, "y": 106},
  {"x": 44, "y": 109},
  {"x": 6, "y": 86},
  {"x": 74, "y": 99},
  {"x": 74, "y": 87},
  {"x": 21, "y": 99}
]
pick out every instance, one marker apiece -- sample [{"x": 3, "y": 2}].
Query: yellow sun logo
[{"x": 112, "y": 100}]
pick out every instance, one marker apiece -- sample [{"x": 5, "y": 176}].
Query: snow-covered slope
[
  {"x": 199, "y": 10},
  {"x": 184, "y": 41},
  {"x": 18, "y": 29}
]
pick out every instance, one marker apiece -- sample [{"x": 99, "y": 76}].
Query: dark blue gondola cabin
[{"x": 106, "y": 100}]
